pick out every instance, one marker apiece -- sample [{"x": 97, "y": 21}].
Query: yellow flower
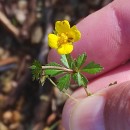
[{"x": 64, "y": 38}]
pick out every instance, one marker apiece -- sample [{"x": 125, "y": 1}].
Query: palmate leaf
[
  {"x": 53, "y": 64},
  {"x": 64, "y": 82},
  {"x": 92, "y": 68},
  {"x": 80, "y": 60},
  {"x": 53, "y": 72},
  {"x": 80, "y": 79},
  {"x": 36, "y": 69},
  {"x": 67, "y": 61}
]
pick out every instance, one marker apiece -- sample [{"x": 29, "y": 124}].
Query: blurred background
[{"x": 24, "y": 26}]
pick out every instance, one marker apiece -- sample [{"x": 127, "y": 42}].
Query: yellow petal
[
  {"x": 53, "y": 41},
  {"x": 65, "y": 49},
  {"x": 62, "y": 26},
  {"x": 74, "y": 34}
]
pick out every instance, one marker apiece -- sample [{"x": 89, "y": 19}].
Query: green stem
[
  {"x": 87, "y": 92},
  {"x": 52, "y": 82},
  {"x": 57, "y": 68},
  {"x": 70, "y": 96},
  {"x": 62, "y": 91},
  {"x": 54, "y": 125}
]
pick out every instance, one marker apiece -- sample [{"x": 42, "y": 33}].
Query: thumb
[{"x": 106, "y": 110}]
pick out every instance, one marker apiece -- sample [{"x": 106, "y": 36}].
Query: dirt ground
[{"x": 24, "y": 25}]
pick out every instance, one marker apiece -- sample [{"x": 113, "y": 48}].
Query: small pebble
[
  {"x": 7, "y": 88},
  {"x": 7, "y": 117},
  {"x": 37, "y": 35},
  {"x": 22, "y": 4},
  {"x": 16, "y": 116},
  {"x": 14, "y": 126},
  {"x": 3, "y": 127}
]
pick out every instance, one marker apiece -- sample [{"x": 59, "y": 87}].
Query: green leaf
[
  {"x": 33, "y": 67},
  {"x": 53, "y": 64},
  {"x": 53, "y": 72},
  {"x": 67, "y": 61},
  {"x": 36, "y": 69},
  {"x": 92, "y": 68},
  {"x": 64, "y": 82},
  {"x": 80, "y": 79},
  {"x": 80, "y": 60}
]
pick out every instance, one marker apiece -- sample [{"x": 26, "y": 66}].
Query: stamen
[{"x": 62, "y": 38}]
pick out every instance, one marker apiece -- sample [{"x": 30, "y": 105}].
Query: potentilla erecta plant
[{"x": 63, "y": 40}]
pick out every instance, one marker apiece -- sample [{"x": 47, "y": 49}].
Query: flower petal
[
  {"x": 65, "y": 49},
  {"x": 53, "y": 41},
  {"x": 74, "y": 34},
  {"x": 62, "y": 26}
]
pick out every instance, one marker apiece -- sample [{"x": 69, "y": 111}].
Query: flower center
[
  {"x": 65, "y": 38},
  {"x": 62, "y": 38}
]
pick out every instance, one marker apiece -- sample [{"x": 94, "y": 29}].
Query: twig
[
  {"x": 22, "y": 67},
  {"x": 8, "y": 61},
  {"x": 4, "y": 20}
]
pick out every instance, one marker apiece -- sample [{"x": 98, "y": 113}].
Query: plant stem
[
  {"x": 57, "y": 68},
  {"x": 54, "y": 125},
  {"x": 87, "y": 92},
  {"x": 63, "y": 91},
  {"x": 52, "y": 82},
  {"x": 70, "y": 96}
]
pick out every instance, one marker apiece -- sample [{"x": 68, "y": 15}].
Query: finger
[
  {"x": 106, "y": 110},
  {"x": 105, "y": 36},
  {"x": 121, "y": 74}
]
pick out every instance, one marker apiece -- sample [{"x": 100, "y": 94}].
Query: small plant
[{"x": 71, "y": 68}]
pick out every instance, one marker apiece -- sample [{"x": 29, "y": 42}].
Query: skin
[{"x": 106, "y": 40}]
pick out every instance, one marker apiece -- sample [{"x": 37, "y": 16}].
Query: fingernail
[{"x": 87, "y": 114}]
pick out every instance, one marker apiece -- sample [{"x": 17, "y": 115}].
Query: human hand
[{"x": 105, "y": 39}]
